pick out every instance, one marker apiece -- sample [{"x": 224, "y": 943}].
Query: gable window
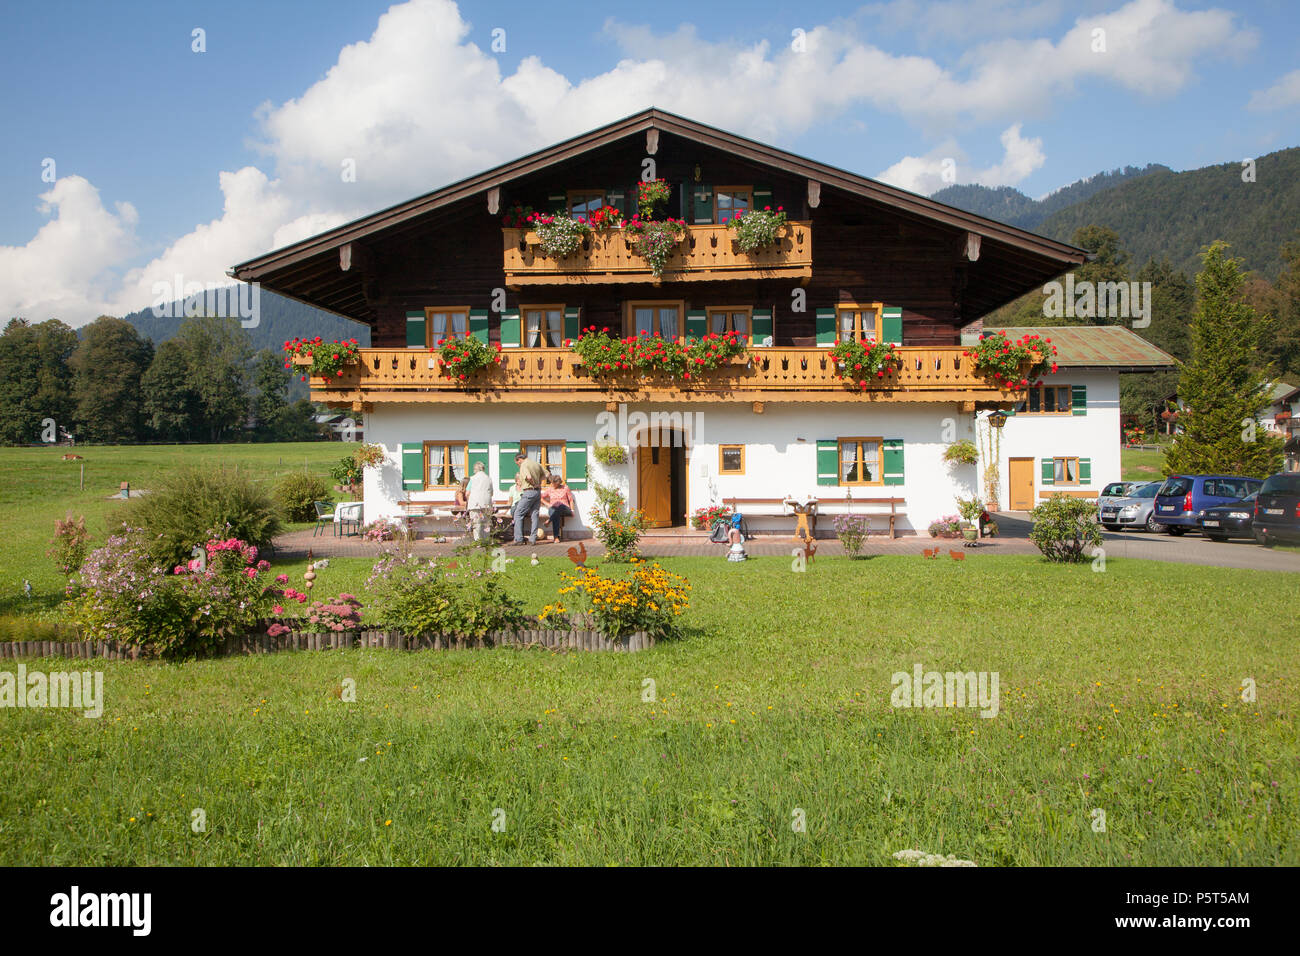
[
  {"x": 860, "y": 461},
  {"x": 731, "y": 201},
  {"x": 860, "y": 322},
  {"x": 731, "y": 459},
  {"x": 656, "y": 318},
  {"x": 445, "y": 323},
  {"x": 543, "y": 326},
  {"x": 583, "y": 202},
  {"x": 730, "y": 319},
  {"x": 548, "y": 454},
  {"x": 444, "y": 464},
  {"x": 1065, "y": 471},
  {"x": 1048, "y": 400}
]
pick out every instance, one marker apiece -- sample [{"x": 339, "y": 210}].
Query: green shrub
[
  {"x": 195, "y": 504},
  {"x": 296, "y": 495},
  {"x": 441, "y": 597},
  {"x": 1064, "y": 528}
]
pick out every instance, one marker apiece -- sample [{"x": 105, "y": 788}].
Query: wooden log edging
[{"x": 262, "y": 643}]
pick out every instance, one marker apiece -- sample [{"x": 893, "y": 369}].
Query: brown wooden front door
[
  {"x": 654, "y": 481},
  {"x": 1020, "y": 483}
]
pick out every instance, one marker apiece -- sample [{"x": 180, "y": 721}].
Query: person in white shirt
[{"x": 480, "y": 502}]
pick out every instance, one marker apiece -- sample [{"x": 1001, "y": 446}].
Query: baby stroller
[{"x": 721, "y": 526}]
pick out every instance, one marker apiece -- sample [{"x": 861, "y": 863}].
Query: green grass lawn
[
  {"x": 37, "y": 487},
  {"x": 1119, "y": 692},
  {"x": 1139, "y": 465}
]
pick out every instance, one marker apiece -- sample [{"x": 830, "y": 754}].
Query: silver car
[
  {"x": 1133, "y": 511},
  {"x": 1113, "y": 492}
]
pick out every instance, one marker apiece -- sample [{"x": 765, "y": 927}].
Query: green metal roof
[{"x": 1095, "y": 346}]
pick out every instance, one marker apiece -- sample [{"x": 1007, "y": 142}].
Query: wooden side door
[
  {"x": 1020, "y": 484},
  {"x": 654, "y": 480}
]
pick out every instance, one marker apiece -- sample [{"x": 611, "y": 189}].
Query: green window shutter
[
  {"x": 506, "y": 452},
  {"x": 415, "y": 330},
  {"x": 825, "y": 328},
  {"x": 701, "y": 204},
  {"x": 1079, "y": 399},
  {"x": 760, "y": 327},
  {"x": 510, "y": 330},
  {"x": 697, "y": 323},
  {"x": 413, "y": 466},
  {"x": 571, "y": 326},
  {"x": 1085, "y": 471},
  {"x": 478, "y": 324},
  {"x": 893, "y": 448},
  {"x": 617, "y": 197},
  {"x": 575, "y": 465},
  {"x": 1047, "y": 475},
  {"x": 558, "y": 203},
  {"x": 478, "y": 451},
  {"x": 763, "y": 197},
  {"x": 891, "y": 324},
  {"x": 828, "y": 461}
]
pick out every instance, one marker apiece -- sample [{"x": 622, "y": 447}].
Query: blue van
[{"x": 1182, "y": 499}]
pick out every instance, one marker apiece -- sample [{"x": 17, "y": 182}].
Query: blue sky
[{"x": 174, "y": 162}]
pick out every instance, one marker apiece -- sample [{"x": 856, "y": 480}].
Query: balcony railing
[
  {"x": 927, "y": 374},
  {"x": 705, "y": 253}
]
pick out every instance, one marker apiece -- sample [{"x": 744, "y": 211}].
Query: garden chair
[
  {"x": 349, "y": 514},
  {"x": 324, "y": 513}
]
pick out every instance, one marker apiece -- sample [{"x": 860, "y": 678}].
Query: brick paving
[{"x": 1014, "y": 527}]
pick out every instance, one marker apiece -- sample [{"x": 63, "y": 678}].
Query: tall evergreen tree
[
  {"x": 1221, "y": 389},
  {"x": 107, "y": 366},
  {"x": 217, "y": 356},
  {"x": 172, "y": 409}
]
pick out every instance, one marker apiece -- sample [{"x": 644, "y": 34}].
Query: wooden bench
[
  {"x": 897, "y": 506},
  {"x": 424, "y": 510}
]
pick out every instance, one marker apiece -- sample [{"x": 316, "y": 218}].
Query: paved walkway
[{"x": 1014, "y": 527}]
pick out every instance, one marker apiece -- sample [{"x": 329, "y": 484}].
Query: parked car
[
  {"x": 1113, "y": 493},
  {"x": 1182, "y": 500},
  {"x": 1277, "y": 510},
  {"x": 1234, "y": 520},
  {"x": 1133, "y": 511}
]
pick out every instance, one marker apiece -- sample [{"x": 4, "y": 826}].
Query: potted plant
[
  {"x": 609, "y": 453},
  {"x": 1013, "y": 365},
  {"x": 655, "y": 242},
  {"x": 461, "y": 358},
  {"x": 650, "y": 194},
  {"x": 558, "y": 235},
  {"x": 970, "y": 509},
  {"x": 758, "y": 228},
  {"x": 962, "y": 453},
  {"x": 703, "y": 518},
  {"x": 857, "y": 364},
  {"x": 949, "y": 526},
  {"x": 326, "y": 359}
]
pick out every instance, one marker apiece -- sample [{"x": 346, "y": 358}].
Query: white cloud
[
  {"x": 1282, "y": 94},
  {"x": 941, "y": 166},
  {"x": 418, "y": 105}
]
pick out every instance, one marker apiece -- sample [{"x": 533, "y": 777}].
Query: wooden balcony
[
  {"x": 706, "y": 253},
  {"x": 928, "y": 374}
]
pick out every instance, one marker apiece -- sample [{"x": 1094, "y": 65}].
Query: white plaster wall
[
  {"x": 780, "y": 454},
  {"x": 1095, "y": 435}
]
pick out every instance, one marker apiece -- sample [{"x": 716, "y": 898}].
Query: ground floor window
[
  {"x": 549, "y": 454},
  {"x": 444, "y": 464},
  {"x": 1065, "y": 471},
  {"x": 860, "y": 462},
  {"x": 731, "y": 459}
]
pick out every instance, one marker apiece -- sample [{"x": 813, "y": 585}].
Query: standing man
[
  {"x": 529, "y": 482},
  {"x": 480, "y": 502}
]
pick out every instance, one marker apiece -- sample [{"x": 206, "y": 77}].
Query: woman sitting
[{"x": 559, "y": 504}]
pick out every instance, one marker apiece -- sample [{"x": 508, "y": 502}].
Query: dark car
[
  {"x": 1277, "y": 510},
  {"x": 1230, "y": 521},
  {"x": 1183, "y": 499},
  {"x": 1133, "y": 511}
]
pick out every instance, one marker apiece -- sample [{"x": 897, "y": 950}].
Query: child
[{"x": 737, "y": 551}]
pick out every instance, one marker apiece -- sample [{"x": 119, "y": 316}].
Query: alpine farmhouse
[{"x": 856, "y": 259}]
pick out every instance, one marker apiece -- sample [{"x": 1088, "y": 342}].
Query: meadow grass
[
  {"x": 1119, "y": 691},
  {"x": 37, "y": 487},
  {"x": 1136, "y": 464}
]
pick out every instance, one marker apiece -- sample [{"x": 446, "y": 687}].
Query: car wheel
[
  {"x": 1154, "y": 526},
  {"x": 1110, "y": 527},
  {"x": 1176, "y": 532},
  {"x": 1215, "y": 535}
]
